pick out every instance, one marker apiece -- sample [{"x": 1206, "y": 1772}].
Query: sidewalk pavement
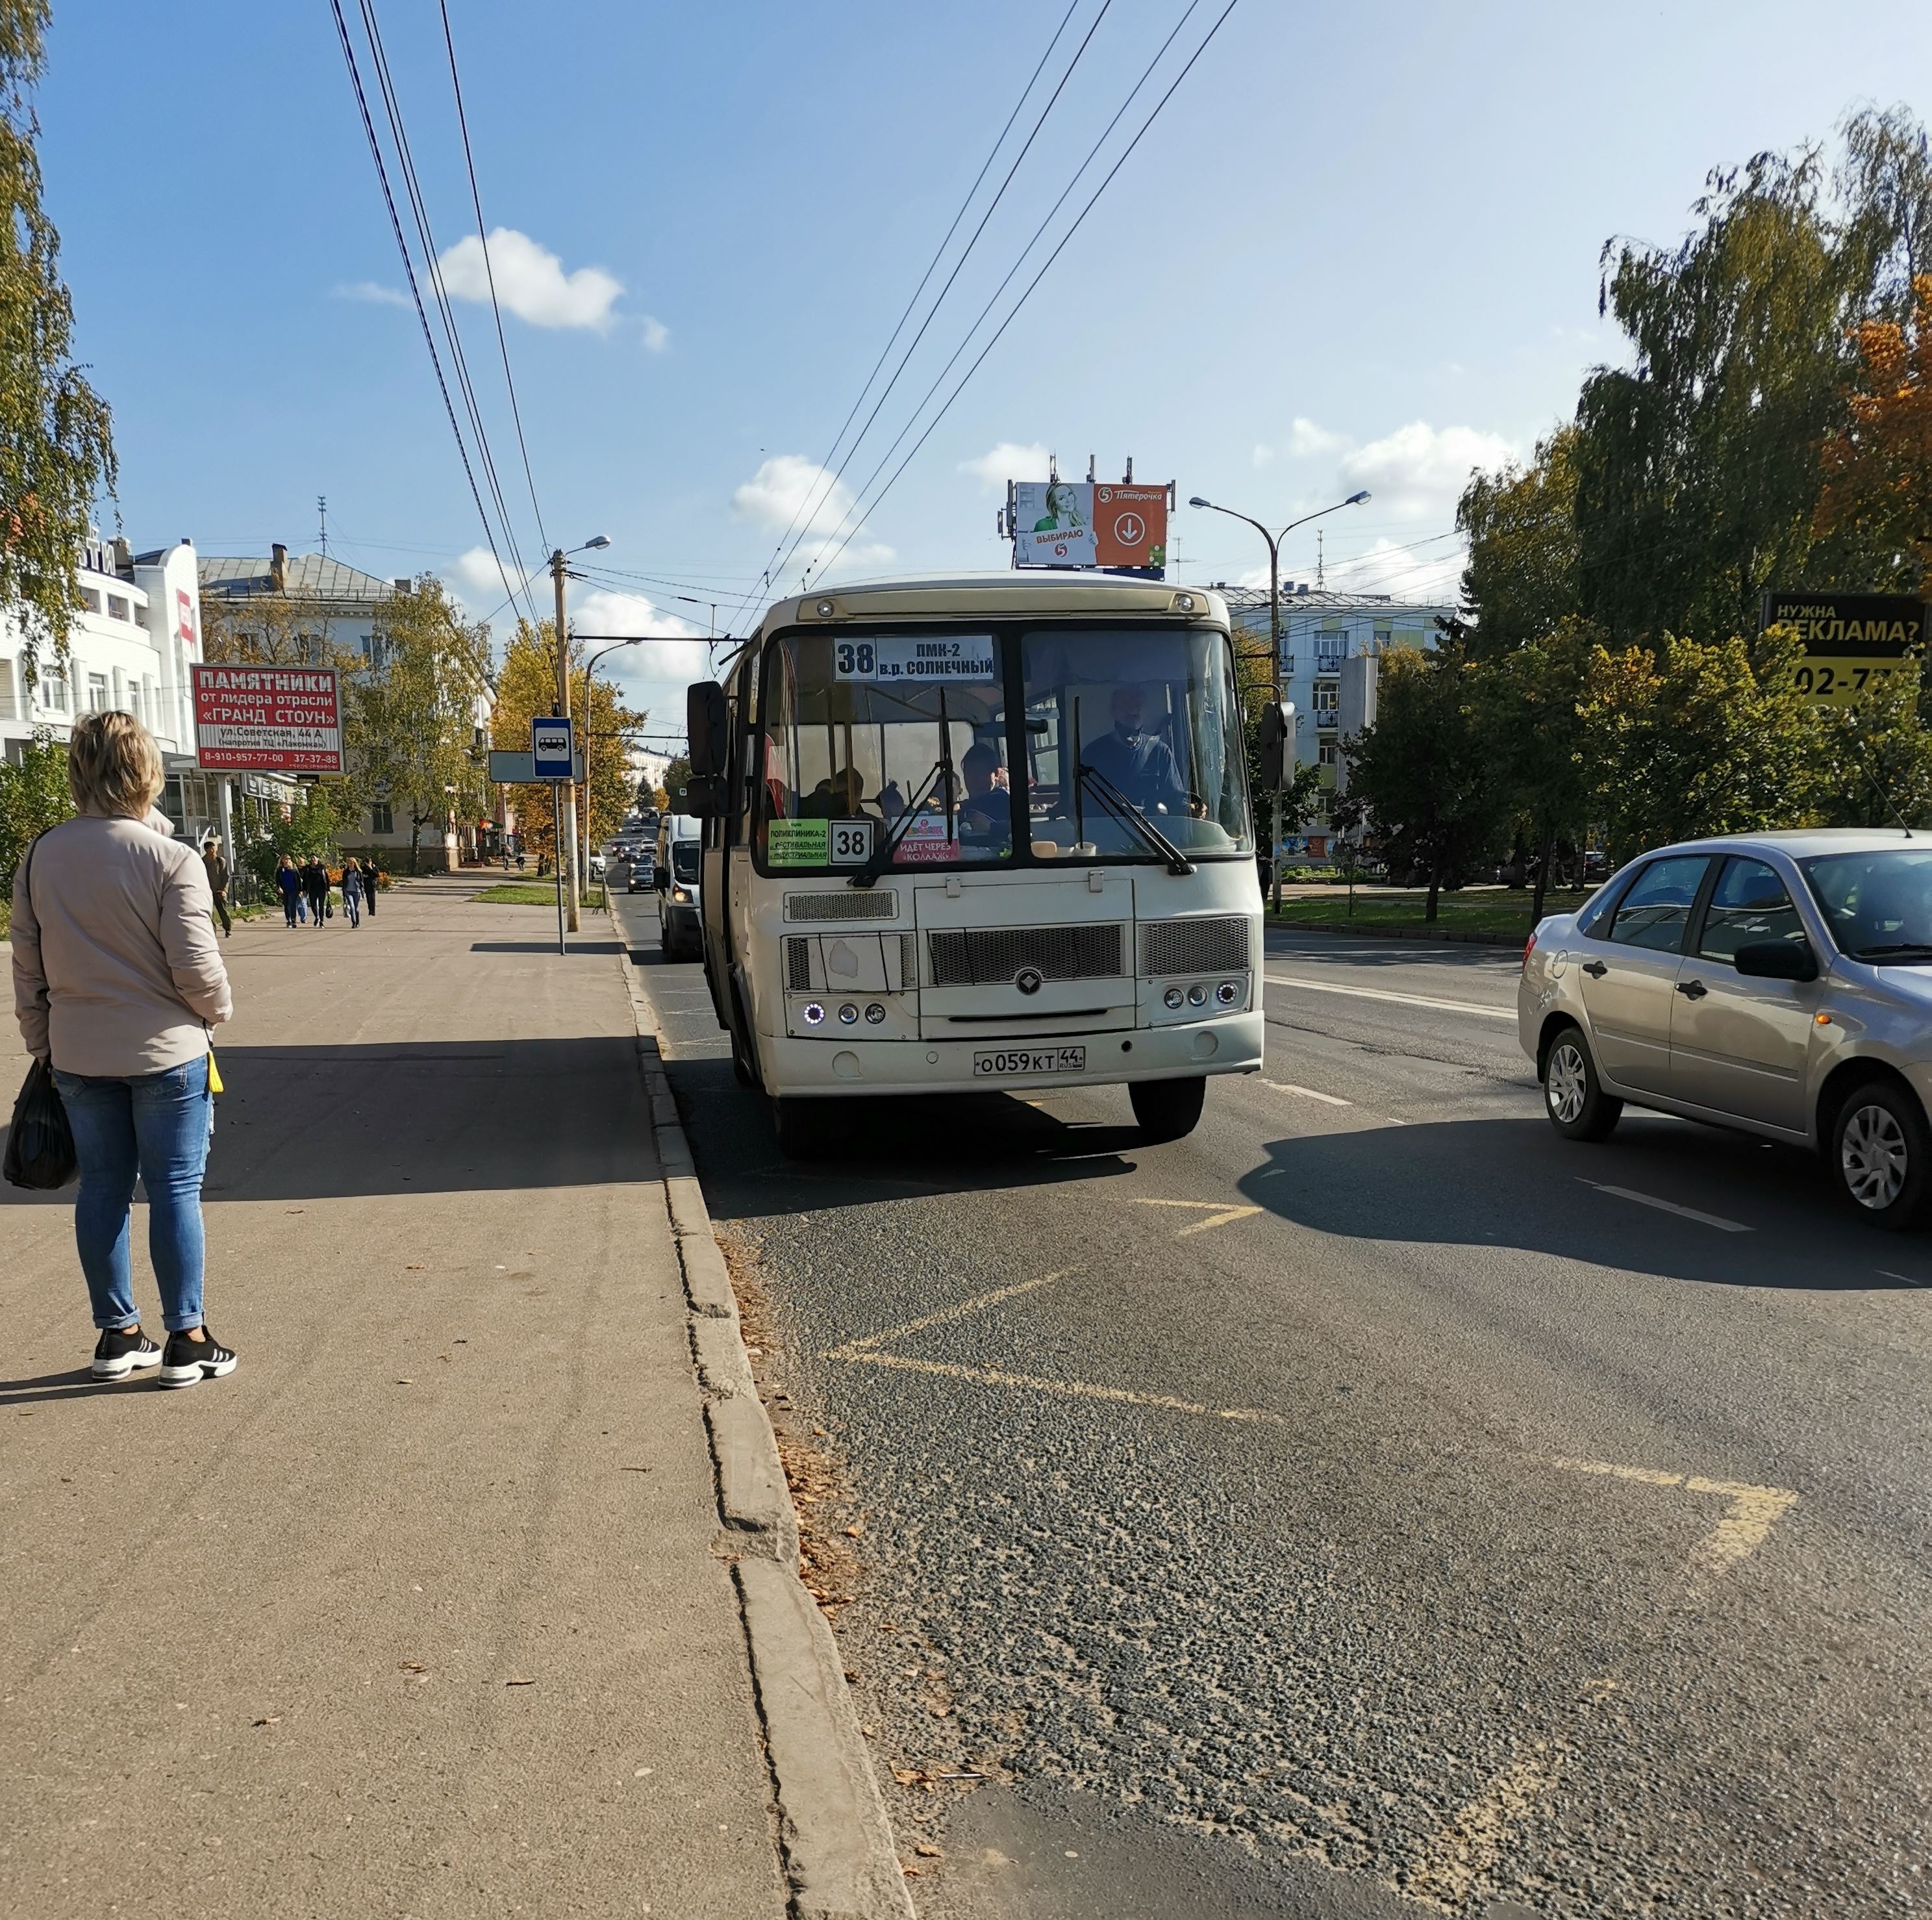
[{"x": 420, "y": 1612}]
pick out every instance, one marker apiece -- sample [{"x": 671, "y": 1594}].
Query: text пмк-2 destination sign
[{"x": 946, "y": 661}]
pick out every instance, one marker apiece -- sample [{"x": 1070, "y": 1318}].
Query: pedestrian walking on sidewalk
[
  {"x": 315, "y": 885},
  {"x": 352, "y": 892},
  {"x": 288, "y": 885},
  {"x": 216, "y": 862},
  {"x": 117, "y": 980},
  {"x": 371, "y": 880}
]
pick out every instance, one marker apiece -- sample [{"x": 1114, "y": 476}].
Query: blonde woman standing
[{"x": 117, "y": 981}]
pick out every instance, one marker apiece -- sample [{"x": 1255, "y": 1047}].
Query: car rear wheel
[
  {"x": 1573, "y": 1097},
  {"x": 1167, "y": 1109},
  {"x": 1879, "y": 1155}
]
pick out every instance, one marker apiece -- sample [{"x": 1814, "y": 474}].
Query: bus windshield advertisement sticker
[
  {"x": 950, "y": 660},
  {"x": 798, "y": 843}
]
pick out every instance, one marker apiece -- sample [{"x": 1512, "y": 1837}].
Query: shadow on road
[{"x": 1511, "y": 1183}]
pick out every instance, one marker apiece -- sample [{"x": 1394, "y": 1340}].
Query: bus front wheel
[
  {"x": 799, "y": 1126},
  {"x": 1167, "y": 1109}
]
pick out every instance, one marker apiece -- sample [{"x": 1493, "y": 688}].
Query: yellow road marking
[
  {"x": 946, "y": 1315},
  {"x": 1079, "y": 1389},
  {"x": 1465, "y": 1847},
  {"x": 1222, "y": 1215},
  {"x": 1743, "y": 1530}
]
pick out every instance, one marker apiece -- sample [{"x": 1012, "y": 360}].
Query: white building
[
  {"x": 1319, "y": 631},
  {"x": 137, "y": 633},
  {"x": 337, "y": 606}
]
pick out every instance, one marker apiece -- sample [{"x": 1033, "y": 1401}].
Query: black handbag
[{"x": 40, "y": 1144}]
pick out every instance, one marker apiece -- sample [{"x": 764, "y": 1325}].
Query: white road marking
[
  {"x": 1669, "y": 1207},
  {"x": 1308, "y": 1093},
  {"x": 1400, "y": 999}
]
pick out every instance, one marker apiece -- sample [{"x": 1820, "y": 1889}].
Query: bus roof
[{"x": 1003, "y": 595}]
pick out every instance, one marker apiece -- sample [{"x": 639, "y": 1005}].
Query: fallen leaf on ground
[
  {"x": 634, "y": 1469},
  {"x": 412, "y": 1667},
  {"x": 408, "y": 1380},
  {"x": 419, "y": 1267},
  {"x": 269, "y": 1720},
  {"x": 519, "y": 1683},
  {"x": 856, "y": 1530},
  {"x": 905, "y": 1776},
  {"x": 927, "y": 1851}
]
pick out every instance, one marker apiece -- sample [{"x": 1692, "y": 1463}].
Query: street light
[
  {"x": 1274, "y": 541},
  {"x": 616, "y": 647},
  {"x": 567, "y": 835}
]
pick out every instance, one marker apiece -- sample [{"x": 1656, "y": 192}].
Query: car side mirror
[
  {"x": 1776, "y": 960},
  {"x": 707, "y": 728}
]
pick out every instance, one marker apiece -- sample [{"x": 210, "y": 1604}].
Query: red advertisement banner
[{"x": 268, "y": 719}]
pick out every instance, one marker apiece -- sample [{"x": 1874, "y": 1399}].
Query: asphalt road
[{"x": 1371, "y": 1501}]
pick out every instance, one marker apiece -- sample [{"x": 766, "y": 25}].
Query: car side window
[
  {"x": 1749, "y": 903},
  {"x": 1656, "y": 910}
]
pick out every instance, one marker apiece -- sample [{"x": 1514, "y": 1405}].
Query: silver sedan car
[{"x": 1778, "y": 983}]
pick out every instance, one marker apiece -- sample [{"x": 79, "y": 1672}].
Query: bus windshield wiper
[
  {"x": 868, "y": 875},
  {"x": 1116, "y": 802}
]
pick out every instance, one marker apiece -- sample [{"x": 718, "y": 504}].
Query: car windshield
[
  {"x": 684, "y": 859},
  {"x": 900, "y": 749},
  {"x": 1877, "y": 904}
]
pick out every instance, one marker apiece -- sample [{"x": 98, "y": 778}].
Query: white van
[{"x": 681, "y": 926}]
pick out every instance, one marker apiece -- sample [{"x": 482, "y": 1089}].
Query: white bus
[{"x": 980, "y": 832}]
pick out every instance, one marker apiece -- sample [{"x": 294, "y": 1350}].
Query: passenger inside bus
[
  {"x": 986, "y": 812},
  {"x": 840, "y": 795}
]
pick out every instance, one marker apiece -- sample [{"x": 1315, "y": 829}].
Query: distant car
[
  {"x": 597, "y": 866},
  {"x": 1778, "y": 983},
  {"x": 643, "y": 876},
  {"x": 680, "y": 846}
]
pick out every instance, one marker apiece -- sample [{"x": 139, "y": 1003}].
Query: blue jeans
[{"x": 157, "y": 1124}]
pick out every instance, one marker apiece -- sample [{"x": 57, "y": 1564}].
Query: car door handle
[
  {"x": 1595, "y": 969},
  {"x": 1692, "y": 989}
]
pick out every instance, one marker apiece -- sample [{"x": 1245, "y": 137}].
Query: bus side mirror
[
  {"x": 707, "y": 728},
  {"x": 705, "y": 798},
  {"x": 1271, "y": 734}
]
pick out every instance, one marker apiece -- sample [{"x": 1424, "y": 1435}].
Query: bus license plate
[{"x": 1021, "y": 1063}]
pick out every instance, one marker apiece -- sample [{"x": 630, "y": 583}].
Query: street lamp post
[
  {"x": 1274, "y": 541},
  {"x": 566, "y": 851}
]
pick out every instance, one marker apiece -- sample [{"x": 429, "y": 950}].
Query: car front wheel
[
  {"x": 1879, "y": 1153},
  {"x": 1573, "y": 1097}
]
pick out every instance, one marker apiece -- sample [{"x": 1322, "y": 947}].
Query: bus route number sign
[{"x": 948, "y": 660}]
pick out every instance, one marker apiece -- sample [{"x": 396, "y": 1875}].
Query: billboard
[
  {"x": 1079, "y": 524},
  {"x": 1852, "y": 641},
  {"x": 267, "y": 719}
]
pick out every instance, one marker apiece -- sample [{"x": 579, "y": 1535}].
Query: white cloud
[
  {"x": 1418, "y": 471},
  {"x": 531, "y": 282},
  {"x": 789, "y": 490},
  {"x": 372, "y": 290},
  {"x": 1433, "y": 572},
  {"x": 1306, "y": 439},
  {"x": 479, "y": 582},
  {"x": 679, "y": 658},
  {"x": 657, "y": 335},
  {"x": 1262, "y": 456},
  {"x": 1009, "y": 460}
]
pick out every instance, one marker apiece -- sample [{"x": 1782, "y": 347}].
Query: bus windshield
[{"x": 900, "y": 750}]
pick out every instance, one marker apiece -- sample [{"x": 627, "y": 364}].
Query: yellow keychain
[{"x": 214, "y": 1085}]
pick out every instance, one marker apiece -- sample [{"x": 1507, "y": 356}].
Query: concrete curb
[{"x": 840, "y": 1861}]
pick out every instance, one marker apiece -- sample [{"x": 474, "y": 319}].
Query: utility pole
[{"x": 566, "y": 847}]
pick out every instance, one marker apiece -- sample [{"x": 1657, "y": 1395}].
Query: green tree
[
  {"x": 56, "y": 447},
  {"x": 1691, "y": 738},
  {"x": 319, "y": 817},
  {"x": 33, "y": 797},
  {"x": 677, "y": 777},
  {"x": 412, "y": 713},
  {"x": 1423, "y": 780},
  {"x": 1304, "y": 793},
  {"x": 1520, "y": 582}
]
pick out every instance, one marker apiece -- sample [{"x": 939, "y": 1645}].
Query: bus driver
[{"x": 1141, "y": 765}]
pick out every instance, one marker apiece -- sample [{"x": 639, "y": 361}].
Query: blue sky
[{"x": 1359, "y": 247}]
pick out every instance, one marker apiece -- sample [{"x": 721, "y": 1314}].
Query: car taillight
[{"x": 1529, "y": 948}]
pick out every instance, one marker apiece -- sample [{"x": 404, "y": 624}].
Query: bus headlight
[
  {"x": 875, "y": 1014},
  {"x": 814, "y": 1013},
  {"x": 1197, "y": 996},
  {"x": 682, "y": 894},
  {"x": 1227, "y": 993},
  {"x": 1173, "y": 996},
  {"x": 848, "y": 1015}
]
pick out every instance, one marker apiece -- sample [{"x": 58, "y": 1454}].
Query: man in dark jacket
[
  {"x": 371, "y": 880},
  {"x": 213, "y": 859},
  {"x": 315, "y": 884}
]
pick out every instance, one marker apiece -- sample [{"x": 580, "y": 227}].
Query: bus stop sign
[{"x": 550, "y": 749}]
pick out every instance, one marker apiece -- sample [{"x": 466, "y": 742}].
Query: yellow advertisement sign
[{"x": 1853, "y": 642}]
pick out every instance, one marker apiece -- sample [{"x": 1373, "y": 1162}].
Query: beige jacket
[{"x": 115, "y": 969}]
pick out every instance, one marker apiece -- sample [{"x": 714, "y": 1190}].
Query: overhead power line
[
  {"x": 1045, "y": 265},
  {"x": 489, "y": 273}
]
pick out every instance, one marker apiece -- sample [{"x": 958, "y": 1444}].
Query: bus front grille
[
  {"x": 1217, "y": 945},
  {"x": 849, "y": 903},
  {"x": 990, "y": 956},
  {"x": 798, "y": 963}
]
